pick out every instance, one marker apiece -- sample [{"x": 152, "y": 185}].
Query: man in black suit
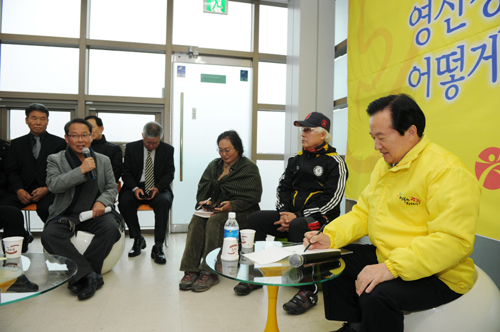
[
  {"x": 148, "y": 171},
  {"x": 26, "y": 164},
  {"x": 4, "y": 149},
  {"x": 99, "y": 144},
  {"x": 11, "y": 218}
]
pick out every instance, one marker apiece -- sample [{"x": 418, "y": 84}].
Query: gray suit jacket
[{"x": 62, "y": 180}]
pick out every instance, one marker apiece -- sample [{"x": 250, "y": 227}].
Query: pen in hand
[
  {"x": 205, "y": 202},
  {"x": 320, "y": 230}
]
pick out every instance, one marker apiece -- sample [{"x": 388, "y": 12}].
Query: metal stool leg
[
  {"x": 167, "y": 235},
  {"x": 27, "y": 220}
]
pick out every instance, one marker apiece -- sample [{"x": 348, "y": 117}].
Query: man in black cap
[{"x": 308, "y": 196}]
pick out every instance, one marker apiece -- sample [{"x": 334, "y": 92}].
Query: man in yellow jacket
[{"x": 419, "y": 210}]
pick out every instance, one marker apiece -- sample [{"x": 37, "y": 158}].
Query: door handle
[{"x": 181, "y": 158}]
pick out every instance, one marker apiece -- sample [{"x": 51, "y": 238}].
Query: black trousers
[
  {"x": 382, "y": 309},
  {"x": 56, "y": 240},
  {"x": 263, "y": 223},
  {"x": 42, "y": 206},
  {"x": 161, "y": 204},
  {"x": 12, "y": 222}
]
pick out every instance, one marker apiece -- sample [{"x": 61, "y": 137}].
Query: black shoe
[
  {"x": 346, "y": 328},
  {"x": 139, "y": 243},
  {"x": 27, "y": 240},
  {"x": 158, "y": 255},
  {"x": 23, "y": 285},
  {"x": 245, "y": 289},
  {"x": 76, "y": 287},
  {"x": 90, "y": 285},
  {"x": 301, "y": 302}
]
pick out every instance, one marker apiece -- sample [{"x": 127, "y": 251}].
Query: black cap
[{"x": 314, "y": 119}]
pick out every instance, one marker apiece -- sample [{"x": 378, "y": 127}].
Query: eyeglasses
[
  {"x": 307, "y": 129},
  {"x": 150, "y": 143},
  {"x": 224, "y": 150},
  {"x": 84, "y": 136}
]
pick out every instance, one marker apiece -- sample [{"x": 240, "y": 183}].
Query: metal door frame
[{"x": 178, "y": 58}]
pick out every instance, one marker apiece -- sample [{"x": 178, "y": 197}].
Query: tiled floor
[{"x": 140, "y": 295}]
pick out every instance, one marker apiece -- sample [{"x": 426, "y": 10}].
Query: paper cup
[
  {"x": 13, "y": 246},
  {"x": 247, "y": 236},
  {"x": 230, "y": 249}
]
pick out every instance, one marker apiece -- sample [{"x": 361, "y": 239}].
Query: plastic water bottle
[{"x": 231, "y": 228}]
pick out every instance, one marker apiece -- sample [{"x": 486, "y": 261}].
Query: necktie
[
  {"x": 36, "y": 147},
  {"x": 149, "y": 178}
]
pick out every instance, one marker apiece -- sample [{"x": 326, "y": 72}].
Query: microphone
[
  {"x": 297, "y": 260},
  {"x": 86, "y": 153}
]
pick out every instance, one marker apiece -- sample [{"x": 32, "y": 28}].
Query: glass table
[
  {"x": 272, "y": 275},
  {"x": 33, "y": 274}
]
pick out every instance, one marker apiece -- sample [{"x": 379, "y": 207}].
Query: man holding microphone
[{"x": 70, "y": 178}]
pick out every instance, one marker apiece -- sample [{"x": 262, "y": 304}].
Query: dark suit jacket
[
  {"x": 22, "y": 169},
  {"x": 4, "y": 149},
  {"x": 133, "y": 165},
  {"x": 113, "y": 151}
]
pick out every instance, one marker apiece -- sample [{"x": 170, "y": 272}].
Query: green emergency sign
[{"x": 215, "y": 6}]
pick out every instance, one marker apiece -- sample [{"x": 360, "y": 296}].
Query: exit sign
[{"x": 215, "y": 6}]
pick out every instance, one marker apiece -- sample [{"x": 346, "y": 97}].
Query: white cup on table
[
  {"x": 13, "y": 246},
  {"x": 230, "y": 249},
  {"x": 247, "y": 237}
]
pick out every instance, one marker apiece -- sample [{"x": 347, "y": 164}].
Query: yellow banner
[{"x": 445, "y": 54}]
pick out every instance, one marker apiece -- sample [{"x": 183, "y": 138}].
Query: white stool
[
  {"x": 476, "y": 310},
  {"x": 82, "y": 239}
]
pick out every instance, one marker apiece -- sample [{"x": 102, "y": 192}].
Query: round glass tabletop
[
  {"x": 280, "y": 273},
  {"x": 33, "y": 274}
]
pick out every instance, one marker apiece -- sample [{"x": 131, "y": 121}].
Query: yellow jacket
[{"x": 420, "y": 214}]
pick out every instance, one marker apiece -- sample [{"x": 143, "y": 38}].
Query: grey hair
[
  {"x": 320, "y": 130},
  {"x": 152, "y": 130}
]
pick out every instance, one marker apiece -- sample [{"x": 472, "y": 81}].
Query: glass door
[{"x": 209, "y": 96}]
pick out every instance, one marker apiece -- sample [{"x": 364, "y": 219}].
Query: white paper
[
  {"x": 56, "y": 266},
  {"x": 274, "y": 254},
  {"x": 86, "y": 215}
]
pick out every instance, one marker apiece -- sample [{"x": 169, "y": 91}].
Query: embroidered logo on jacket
[
  {"x": 409, "y": 201},
  {"x": 318, "y": 170}
]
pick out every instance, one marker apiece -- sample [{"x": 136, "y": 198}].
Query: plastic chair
[{"x": 476, "y": 310}]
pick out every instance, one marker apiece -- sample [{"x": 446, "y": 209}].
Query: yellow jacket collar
[{"x": 411, "y": 155}]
